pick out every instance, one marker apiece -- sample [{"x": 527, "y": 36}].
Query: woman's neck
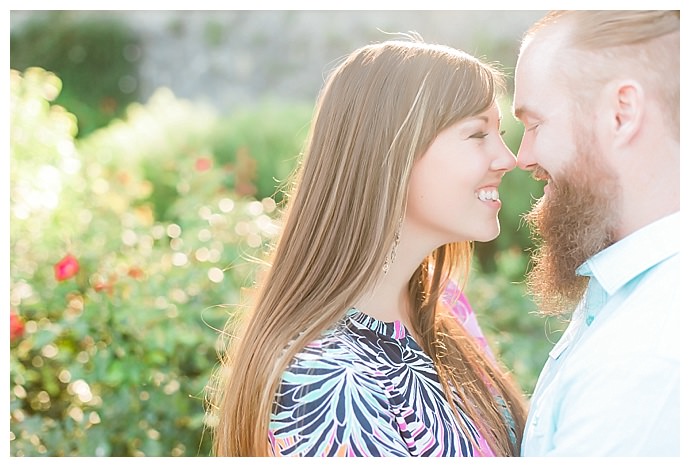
[{"x": 388, "y": 299}]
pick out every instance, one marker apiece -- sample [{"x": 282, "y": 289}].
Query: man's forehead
[
  {"x": 535, "y": 73},
  {"x": 544, "y": 46}
]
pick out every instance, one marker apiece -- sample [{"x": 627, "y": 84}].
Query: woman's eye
[
  {"x": 479, "y": 135},
  {"x": 532, "y": 127}
]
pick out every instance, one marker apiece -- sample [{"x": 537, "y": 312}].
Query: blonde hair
[
  {"x": 618, "y": 43},
  {"x": 378, "y": 112}
]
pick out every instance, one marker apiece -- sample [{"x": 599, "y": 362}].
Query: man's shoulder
[
  {"x": 655, "y": 296},
  {"x": 645, "y": 326}
]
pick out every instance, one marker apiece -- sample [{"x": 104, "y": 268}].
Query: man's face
[
  {"x": 542, "y": 103},
  {"x": 576, "y": 217}
]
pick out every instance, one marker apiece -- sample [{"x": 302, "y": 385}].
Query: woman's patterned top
[{"x": 366, "y": 388}]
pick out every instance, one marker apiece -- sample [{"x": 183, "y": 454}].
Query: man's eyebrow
[{"x": 523, "y": 112}]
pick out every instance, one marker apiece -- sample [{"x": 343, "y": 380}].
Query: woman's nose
[{"x": 505, "y": 160}]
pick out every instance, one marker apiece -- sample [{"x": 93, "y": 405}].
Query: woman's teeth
[{"x": 488, "y": 195}]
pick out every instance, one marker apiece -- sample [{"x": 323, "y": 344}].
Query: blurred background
[{"x": 147, "y": 149}]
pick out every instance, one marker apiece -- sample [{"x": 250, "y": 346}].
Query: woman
[{"x": 351, "y": 347}]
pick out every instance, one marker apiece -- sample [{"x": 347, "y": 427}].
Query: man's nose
[{"x": 525, "y": 159}]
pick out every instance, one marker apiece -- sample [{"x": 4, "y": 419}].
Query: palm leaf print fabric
[{"x": 366, "y": 388}]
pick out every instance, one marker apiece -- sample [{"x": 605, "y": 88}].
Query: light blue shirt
[{"x": 611, "y": 384}]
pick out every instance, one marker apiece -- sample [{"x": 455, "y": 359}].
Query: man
[{"x": 598, "y": 93}]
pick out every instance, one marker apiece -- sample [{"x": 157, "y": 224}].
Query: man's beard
[{"x": 575, "y": 221}]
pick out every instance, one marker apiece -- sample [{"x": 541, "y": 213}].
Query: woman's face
[{"x": 453, "y": 193}]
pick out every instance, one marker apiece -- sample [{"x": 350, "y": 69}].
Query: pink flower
[
  {"x": 202, "y": 164},
  {"x": 66, "y": 268},
  {"x": 16, "y": 326}
]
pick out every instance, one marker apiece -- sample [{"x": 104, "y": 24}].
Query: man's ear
[{"x": 627, "y": 99}]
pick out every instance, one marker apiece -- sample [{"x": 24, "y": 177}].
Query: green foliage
[
  {"x": 96, "y": 58},
  {"x": 497, "y": 290},
  {"x": 151, "y": 142},
  {"x": 520, "y": 188},
  {"x": 262, "y": 143},
  {"x": 509, "y": 319},
  {"x": 518, "y": 192},
  {"x": 115, "y": 359}
]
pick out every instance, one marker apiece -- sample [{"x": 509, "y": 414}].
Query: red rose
[
  {"x": 16, "y": 326},
  {"x": 66, "y": 268}
]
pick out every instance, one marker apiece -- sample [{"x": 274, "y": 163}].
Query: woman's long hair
[{"x": 378, "y": 112}]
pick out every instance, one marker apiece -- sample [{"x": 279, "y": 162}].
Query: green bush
[
  {"x": 262, "y": 143},
  {"x": 114, "y": 356},
  {"x": 509, "y": 318}
]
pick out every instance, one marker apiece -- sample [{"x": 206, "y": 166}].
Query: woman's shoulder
[
  {"x": 335, "y": 363},
  {"x": 333, "y": 400},
  {"x": 340, "y": 348}
]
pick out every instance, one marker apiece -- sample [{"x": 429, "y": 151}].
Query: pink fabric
[{"x": 457, "y": 303}]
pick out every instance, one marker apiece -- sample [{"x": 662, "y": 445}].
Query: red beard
[{"x": 576, "y": 220}]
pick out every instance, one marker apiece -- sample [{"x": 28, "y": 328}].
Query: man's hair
[
  {"x": 600, "y": 29},
  {"x": 644, "y": 45}
]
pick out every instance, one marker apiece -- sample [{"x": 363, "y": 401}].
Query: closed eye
[{"x": 479, "y": 135}]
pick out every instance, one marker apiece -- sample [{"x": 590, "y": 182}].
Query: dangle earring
[{"x": 390, "y": 258}]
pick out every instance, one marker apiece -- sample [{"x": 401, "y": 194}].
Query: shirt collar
[{"x": 621, "y": 262}]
